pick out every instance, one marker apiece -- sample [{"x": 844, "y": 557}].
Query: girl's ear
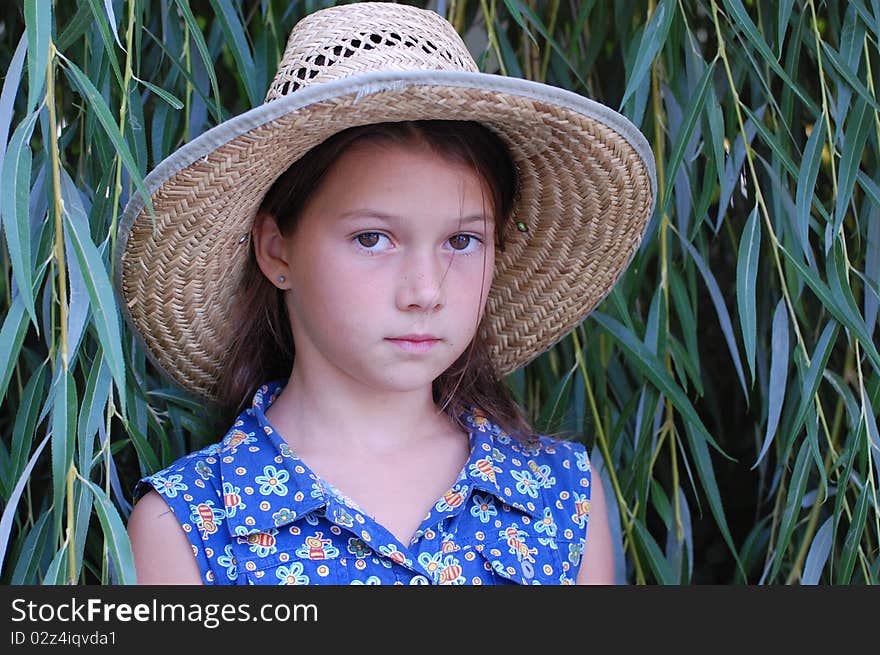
[{"x": 269, "y": 247}]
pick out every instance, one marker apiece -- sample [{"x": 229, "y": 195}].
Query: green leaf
[
  {"x": 104, "y": 310},
  {"x": 806, "y": 180},
  {"x": 838, "y": 310},
  {"x": 696, "y": 102},
  {"x": 31, "y": 552},
  {"x": 167, "y": 97},
  {"x": 91, "y": 413},
  {"x": 813, "y": 377},
  {"x": 63, "y": 428},
  {"x": 26, "y": 421},
  {"x": 14, "y": 205},
  {"x": 853, "y": 538},
  {"x": 100, "y": 19},
  {"x": 779, "y": 361},
  {"x": 7, "y": 96},
  {"x": 236, "y": 41},
  {"x": 796, "y": 487},
  {"x": 6, "y": 520},
  {"x": 118, "y": 543},
  {"x": 199, "y": 39},
  {"x": 858, "y": 126},
  {"x": 11, "y": 339},
  {"x": 38, "y": 23},
  {"x": 742, "y": 20},
  {"x": 91, "y": 95},
  {"x": 818, "y": 554},
  {"x": 746, "y": 284},
  {"x": 721, "y": 311},
  {"x": 703, "y": 464},
  {"x": 652, "y": 368},
  {"x": 659, "y": 566},
  {"x": 653, "y": 39}
]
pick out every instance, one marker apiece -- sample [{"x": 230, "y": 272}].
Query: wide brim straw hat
[{"x": 587, "y": 186}]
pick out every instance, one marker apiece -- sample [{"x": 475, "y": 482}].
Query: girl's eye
[
  {"x": 460, "y": 242},
  {"x": 368, "y": 240}
]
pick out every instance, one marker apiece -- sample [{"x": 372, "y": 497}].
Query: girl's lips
[{"x": 421, "y": 345}]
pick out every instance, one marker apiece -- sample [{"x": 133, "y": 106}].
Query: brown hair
[{"x": 262, "y": 348}]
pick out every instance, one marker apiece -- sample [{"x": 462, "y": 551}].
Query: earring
[{"x": 281, "y": 279}]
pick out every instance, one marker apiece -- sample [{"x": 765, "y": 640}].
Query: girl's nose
[{"x": 421, "y": 283}]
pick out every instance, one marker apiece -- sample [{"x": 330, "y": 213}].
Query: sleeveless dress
[{"x": 255, "y": 513}]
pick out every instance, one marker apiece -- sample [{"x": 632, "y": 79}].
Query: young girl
[{"x": 346, "y": 273}]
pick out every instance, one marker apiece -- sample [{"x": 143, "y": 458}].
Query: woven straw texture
[{"x": 586, "y": 194}]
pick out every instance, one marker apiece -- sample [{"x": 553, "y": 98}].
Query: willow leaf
[
  {"x": 38, "y": 23},
  {"x": 796, "y": 487},
  {"x": 116, "y": 537},
  {"x": 653, "y": 39},
  {"x": 746, "y": 283},
  {"x": 779, "y": 360}
]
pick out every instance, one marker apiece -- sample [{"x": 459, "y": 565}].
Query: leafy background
[{"x": 728, "y": 388}]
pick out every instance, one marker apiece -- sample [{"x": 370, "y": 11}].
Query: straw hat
[{"x": 587, "y": 186}]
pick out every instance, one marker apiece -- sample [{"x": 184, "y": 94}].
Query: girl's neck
[{"x": 313, "y": 419}]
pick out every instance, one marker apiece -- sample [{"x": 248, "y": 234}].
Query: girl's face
[{"x": 396, "y": 242}]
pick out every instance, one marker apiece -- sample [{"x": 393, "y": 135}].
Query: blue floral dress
[{"x": 255, "y": 513}]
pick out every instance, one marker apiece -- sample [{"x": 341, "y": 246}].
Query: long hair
[{"x": 262, "y": 348}]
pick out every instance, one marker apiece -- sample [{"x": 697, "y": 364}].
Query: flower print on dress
[
  {"x": 261, "y": 543},
  {"x": 546, "y": 525},
  {"x": 292, "y": 574},
  {"x": 359, "y": 548},
  {"x": 232, "y": 499},
  {"x": 283, "y": 515},
  {"x": 206, "y": 517},
  {"x": 485, "y": 469},
  {"x": 542, "y": 474},
  {"x": 483, "y": 507},
  {"x": 575, "y": 550},
  {"x": 227, "y": 560},
  {"x": 317, "y": 547},
  {"x": 272, "y": 481},
  {"x": 171, "y": 485},
  {"x": 204, "y": 470},
  {"x": 525, "y": 483},
  {"x": 581, "y": 509}
]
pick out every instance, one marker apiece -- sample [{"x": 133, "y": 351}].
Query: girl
[{"x": 347, "y": 272}]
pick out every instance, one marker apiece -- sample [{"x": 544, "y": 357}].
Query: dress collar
[{"x": 254, "y": 445}]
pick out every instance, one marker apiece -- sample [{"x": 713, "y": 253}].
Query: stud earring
[{"x": 281, "y": 279}]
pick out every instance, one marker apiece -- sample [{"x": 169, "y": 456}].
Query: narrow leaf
[
  {"x": 652, "y": 40},
  {"x": 779, "y": 360},
  {"x": 806, "y": 182},
  {"x": 38, "y": 23},
  {"x": 858, "y": 126},
  {"x": 15, "y": 180},
  {"x": 796, "y": 487},
  {"x": 820, "y": 548},
  {"x": 118, "y": 543},
  {"x": 721, "y": 310},
  {"x": 746, "y": 285}
]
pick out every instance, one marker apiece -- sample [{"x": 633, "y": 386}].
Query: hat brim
[{"x": 587, "y": 191}]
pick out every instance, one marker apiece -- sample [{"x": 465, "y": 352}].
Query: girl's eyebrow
[{"x": 384, "y": 216}]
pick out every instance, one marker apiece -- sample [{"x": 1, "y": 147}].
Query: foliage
[{"x": 727, "y": 388}]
